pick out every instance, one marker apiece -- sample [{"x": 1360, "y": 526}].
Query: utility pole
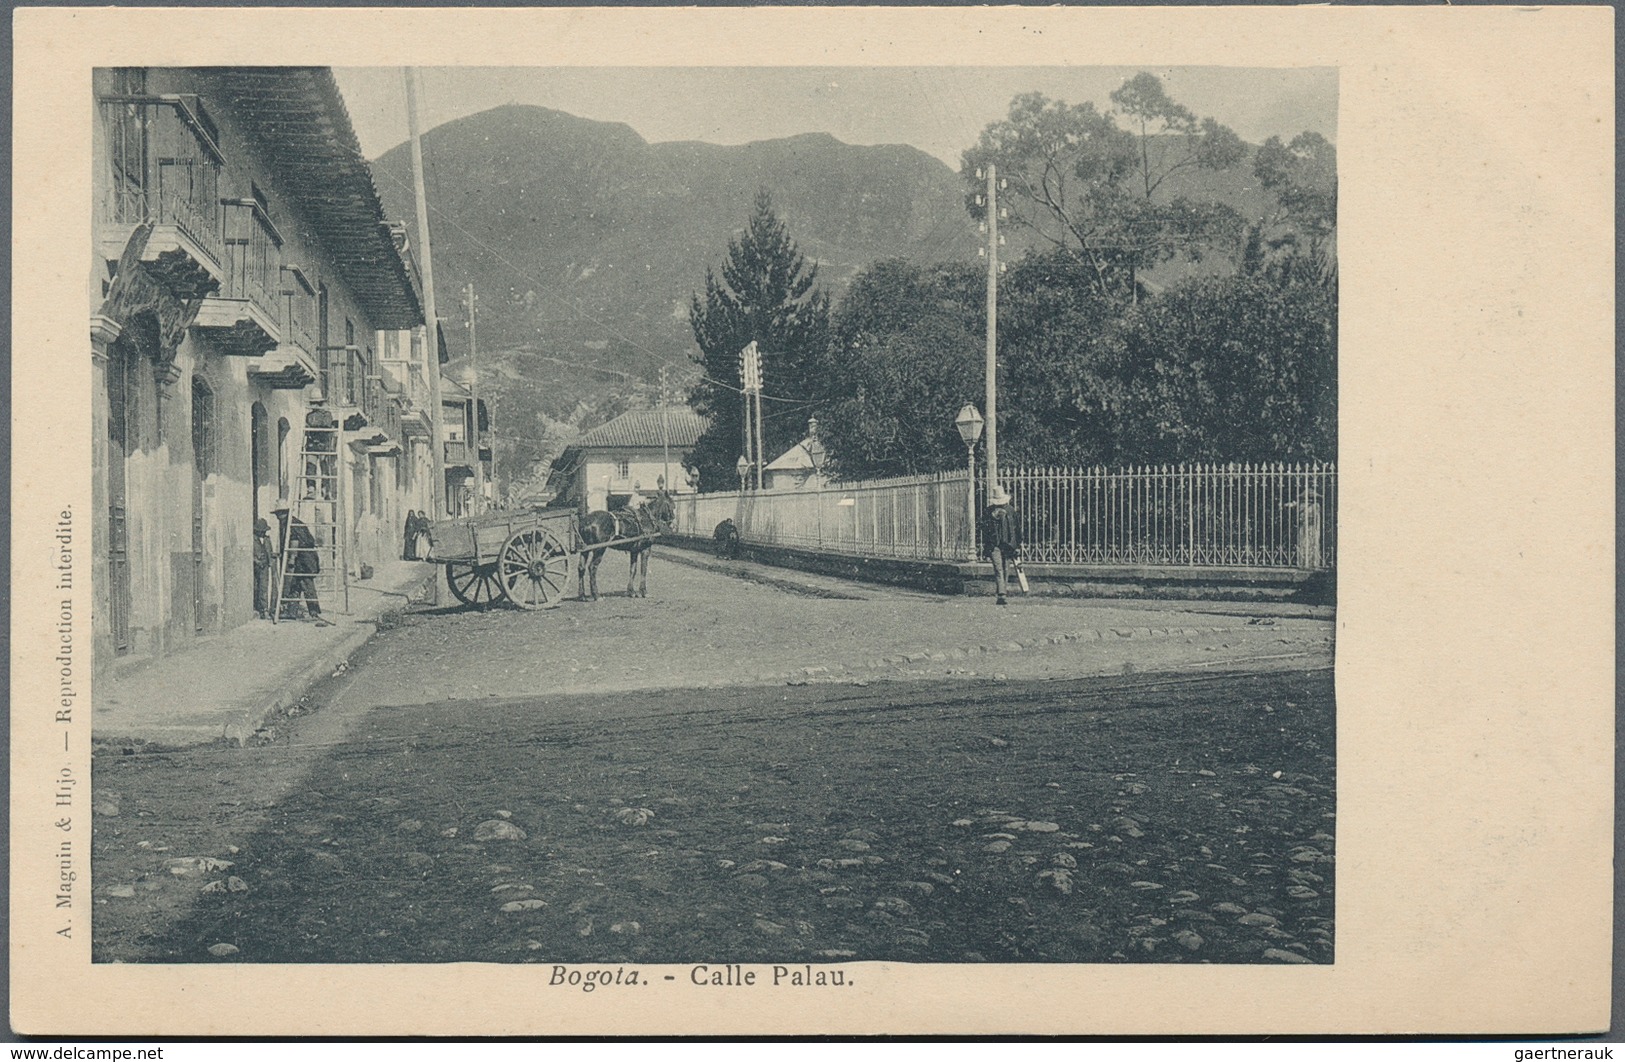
[
  {"x": 992, "y": 327},
  {"x": 431, "y": 344},
  {"x": 761, "y": 454},
  {"x": 665, "y": 435},
  {"x": 474, "y": 418},
  {"x": 747, "y": 381}
]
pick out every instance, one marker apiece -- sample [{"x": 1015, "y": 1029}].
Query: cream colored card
[{"x": 1475, "y": 622}]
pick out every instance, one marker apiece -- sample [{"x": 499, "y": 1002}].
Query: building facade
[
  {"x": 458, "y": 441},
  {"x": 240, "y": 278},
  {"x": 636, "y": 453}
]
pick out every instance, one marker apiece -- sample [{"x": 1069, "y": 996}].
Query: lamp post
[
  {"x": 742, "y": 466},
  {"x": 815, "y": 457},
  {"x": 969, "y": 423}
]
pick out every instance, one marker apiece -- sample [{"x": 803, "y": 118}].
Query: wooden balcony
[
  {"x": 164, "y": 170},
  {"x": 245, "y": 317}
]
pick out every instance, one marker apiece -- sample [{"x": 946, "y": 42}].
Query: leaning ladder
[{"x": 320, "y": 505}]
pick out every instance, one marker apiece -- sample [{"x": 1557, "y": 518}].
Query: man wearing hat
[
  {"x": 264, "y": 565},
  {"x": 301, "y": 562},
  {"x": 1001, "y": 536}
]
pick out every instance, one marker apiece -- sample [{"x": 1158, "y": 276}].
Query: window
[
  {"x": 203, "y": 429},
  {"x": 623, "y": 468}
]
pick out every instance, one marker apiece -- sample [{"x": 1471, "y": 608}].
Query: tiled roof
[
  {"x": 645, "y": 428},
  {"x": 298, "y": 116}
]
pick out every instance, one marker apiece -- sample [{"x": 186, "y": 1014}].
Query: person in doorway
[
  {"x": 301, "y": 563},
  {"x": 264, "y": 565},
  {"x": 409, "y": 536},
  {"x": 1001, "y": 537}
]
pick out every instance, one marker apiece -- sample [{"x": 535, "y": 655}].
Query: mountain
[{"x": 584, "y": 243}]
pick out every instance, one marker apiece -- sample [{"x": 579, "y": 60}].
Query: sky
[{"x": 940, "y": 110}]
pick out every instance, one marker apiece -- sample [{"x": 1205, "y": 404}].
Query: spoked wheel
[
  {"x": 534, "y": 568},
  {"x": 474, "y": 584}
]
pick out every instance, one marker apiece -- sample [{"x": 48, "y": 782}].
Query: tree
[
  {"x": 906, "y": 347},
  {"x": 1299, "y": 239},
  {"x": 766, "y": 295},
  {"x": 1230, "y": 369},
  {"x": 1081, "y": 182},
  {"x": 1054, "y": 393}
]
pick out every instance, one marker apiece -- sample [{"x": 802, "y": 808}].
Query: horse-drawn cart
[
  {"x": 525, "y": 557},
  {"x": 520, "y": 557}
]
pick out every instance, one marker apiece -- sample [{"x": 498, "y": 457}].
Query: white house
[
  {"x": 799, "y": 468},
  {"x": 639, "y": 451}
]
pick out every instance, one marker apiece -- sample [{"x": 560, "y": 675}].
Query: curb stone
[{"x": 238, "y": 731}]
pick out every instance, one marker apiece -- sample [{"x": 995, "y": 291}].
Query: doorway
[{"x": 203, "y": 444}]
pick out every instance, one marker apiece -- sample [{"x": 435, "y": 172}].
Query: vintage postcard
[{"x": 1114, "y": 510}]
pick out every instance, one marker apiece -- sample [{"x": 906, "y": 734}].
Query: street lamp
[
  {"x": 969, "y": 423},
  {"x": 742, "y": 466}
]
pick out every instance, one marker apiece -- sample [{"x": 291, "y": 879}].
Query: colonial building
[
  {"x": 241, "y": 276},
  {"x": 637, "y": 452},
  {"x": 457, "y": 423}
]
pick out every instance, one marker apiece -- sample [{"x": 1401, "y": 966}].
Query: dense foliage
[
  {"x": 1230, "y": 355},
  {"x": 766, "y": 295}
]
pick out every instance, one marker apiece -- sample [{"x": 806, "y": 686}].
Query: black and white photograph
[
  {"x": 968, "y": 436},
  {"x": 849, "y": 534}
]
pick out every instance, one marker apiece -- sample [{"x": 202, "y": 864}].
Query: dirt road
[{"x": 617, "y": 783}]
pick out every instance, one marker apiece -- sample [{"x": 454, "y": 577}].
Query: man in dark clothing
[
  {"x": 264, "y": 564},
  {"x": 301, "y": 563},
  {"x": 1001, "y": 536}
]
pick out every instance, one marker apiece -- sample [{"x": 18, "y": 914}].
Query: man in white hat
[{"x": 1001, "y": 536}]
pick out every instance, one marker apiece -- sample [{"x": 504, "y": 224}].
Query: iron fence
[
  {"x": 1219, "y": 515},
  {"x": 1222, "y": 515}
]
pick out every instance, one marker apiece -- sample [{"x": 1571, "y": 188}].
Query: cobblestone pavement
[
  {"x": 664, "y": 780},
  {"x": 698, "y": 628}
]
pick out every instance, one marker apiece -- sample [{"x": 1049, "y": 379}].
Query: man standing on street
[
  {"x": 264, "y": 566},
  {"x": 301, "y": 562},
  {"x": 1001, "y": 536}
]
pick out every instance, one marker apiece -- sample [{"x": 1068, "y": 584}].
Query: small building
[
  {"x": 799, "y": 468},
  {"x": 240, "y": 276},
  {"x": 457, "y": 422},
  {"x": 640, "y": 451}
]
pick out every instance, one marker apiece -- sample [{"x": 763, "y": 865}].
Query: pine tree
[{"x": 766, "y": 294}]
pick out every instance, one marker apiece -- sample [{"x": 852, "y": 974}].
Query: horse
[{"x": 639, "y": 525}]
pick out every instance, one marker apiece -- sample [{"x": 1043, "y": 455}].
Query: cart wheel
[
  {"x": 534, "y": 568},
  {"x": 474, "y": 584}
]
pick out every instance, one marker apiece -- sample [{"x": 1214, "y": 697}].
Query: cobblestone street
[{"x": 731, "y": 772}]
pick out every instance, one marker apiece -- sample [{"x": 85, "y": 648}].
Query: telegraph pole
[
  {"x": 665, "y": 434},
  {"x": 992, "y": 327},
  {"x": 761, "y": 454},
  {"x": 474, "y": 419},
  {"x": 431, "y": 345},
  {"x": 748, "y": 368}
]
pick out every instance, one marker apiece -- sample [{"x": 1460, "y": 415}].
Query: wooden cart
[{"x": 521, "y": 557}]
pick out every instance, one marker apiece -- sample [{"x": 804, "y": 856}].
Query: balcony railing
[
  {"x": 253, "y": 257},
  {"x": 299, "y": 311},
  {"x": 458, "y": 453},
  {"x": 165, "y": 168}
]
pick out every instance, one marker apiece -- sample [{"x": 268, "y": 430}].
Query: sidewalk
[
  {"x": 225, "y": 686},
  {"x": 817, "y": 585}
]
